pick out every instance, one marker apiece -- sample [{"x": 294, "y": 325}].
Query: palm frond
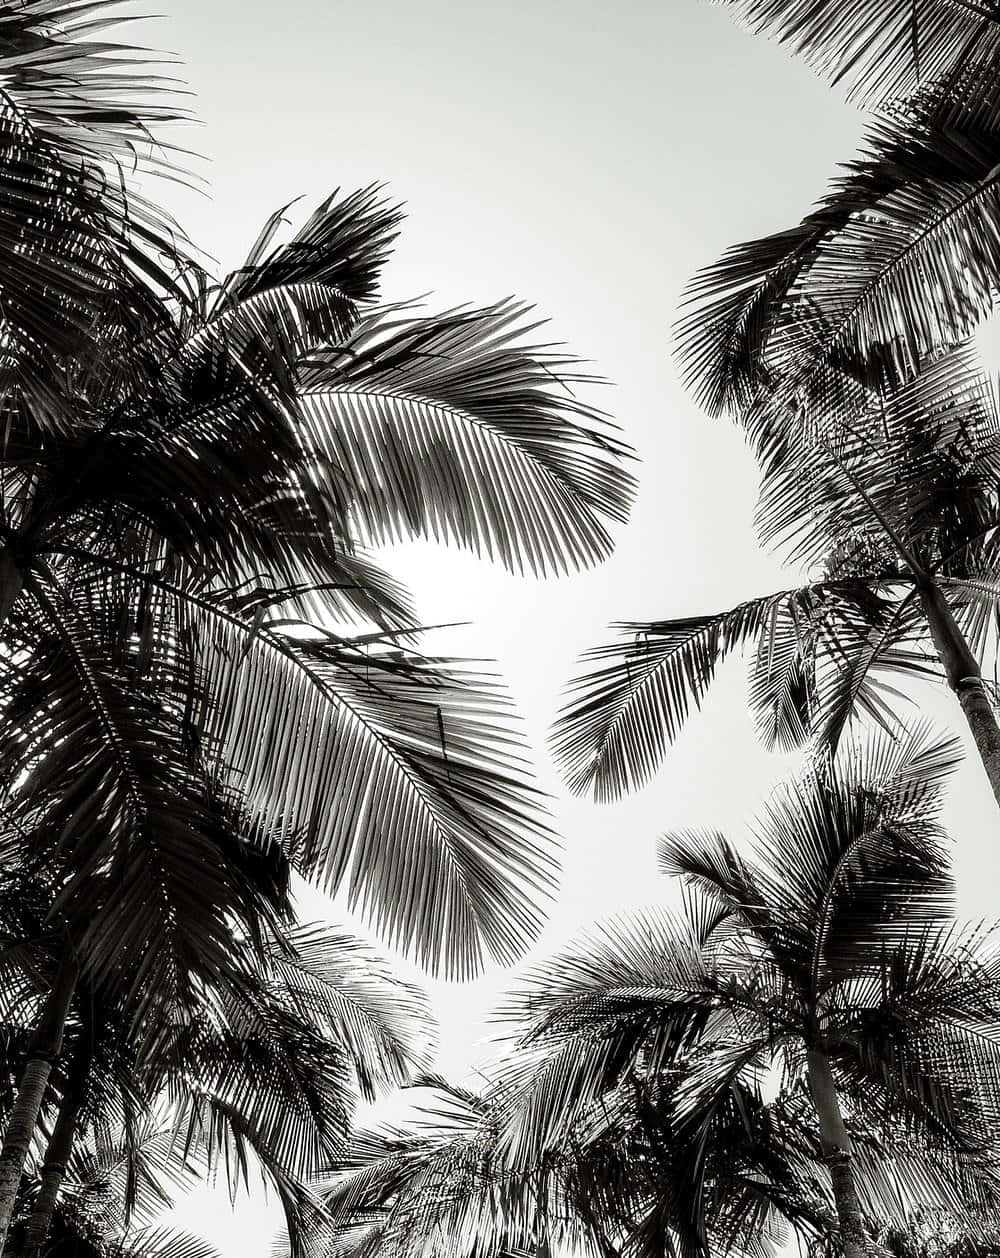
[
  {"x": 454, "y": 427},
  {"x": 397, "y": 777},
  {"x": 624, "y": 713},
  {"x": 384, "y": 1024},
  {"x": 804, "y": 325},
  {"x": 341, "y": 248},
  {"x": 879, "y": 49}
]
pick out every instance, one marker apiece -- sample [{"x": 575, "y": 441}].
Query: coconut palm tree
[
  {"x": 191, "y": 469},
  {"x": 213, "y": 498},
  {"x": 828, "y": 960},
  {"x": 268, "y": 1073},
  {"x": 842, "y": 360},
  {"x": 258, "y": 1058}
]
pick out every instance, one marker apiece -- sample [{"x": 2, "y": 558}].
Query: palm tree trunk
[
  {"x": 11, "y": 584},
  {"x": 836, "y": 1145},
  {"x": 57, "y": 1153},
  {"x": 44, "y": 1049},
  {"x": 964, "y": 676}
]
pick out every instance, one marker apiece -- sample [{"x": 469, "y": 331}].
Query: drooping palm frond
[
  {"x": 800, "y": 327},
  {"x": 438, "y": 1185},
  {"x": 880, "y": 49},
  {"x": 376, "y": 768},
  {"x": 455, "y": 427},
  {"x": 402, "y": 781},
  {"x": 623, "y": 715},
  {"x": 625, "y": 712},
  {"x": 384, "y": 1024},
  {"x": 74, "y": 129}
]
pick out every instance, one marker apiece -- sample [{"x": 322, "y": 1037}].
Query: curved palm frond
[
  {"x": 880, "y": 49},
  {"x": 384, "y": 1024},
  {"x": 802, "y": 327},
  {"x": 454, "y": 427},
  {"x": 621, "y": 718},
  {"x": 402, "y": 781}
]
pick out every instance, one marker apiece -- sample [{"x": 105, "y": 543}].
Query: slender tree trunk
[
  {"x": 964, "y": 677},
  {"x": 57, "y": 1153},
  {"x": 11, "y": 584},
  {"x": 836, "y": 1145},
  {"x": 44, "y": 1049}
]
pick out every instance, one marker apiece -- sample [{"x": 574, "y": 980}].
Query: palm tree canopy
[
  {"x": 192, "y": 470},
  {"x": 263, "y": 1068},
  {"x": 800, "y": 328},
  {"x": 836, "y": 933},
  {"x": 869, "y": 517}
]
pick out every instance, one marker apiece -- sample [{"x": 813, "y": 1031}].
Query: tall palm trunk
[
  {"x": 836, "y": 1144},
  {"x": 43, "y": 1050},
  {"x": 11, "y": 584},
  {"x": 57, "y": 1153},
  {"x": 964, "y": 677}
]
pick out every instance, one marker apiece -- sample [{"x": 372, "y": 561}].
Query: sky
[{"x": 586, "y": 157}]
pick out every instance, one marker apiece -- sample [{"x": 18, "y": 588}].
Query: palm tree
[
  {"x": 268, "y": 1073},
  {"x": 209, "y": 500},
  {"x": 117, "y": 1187},
  {"x": 843, "y": 363},
  {"x": 191, "y": 468},
  {"x": 828, "y": 960},
  {"x": 259, "y": 1049}
]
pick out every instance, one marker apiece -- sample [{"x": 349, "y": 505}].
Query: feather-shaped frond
[
  {"x": 342, "y": 247},
  {"x": 800, "y": 328},
  {"x": 455, "y": 427},
  {"x": 384, "y": 1024},
  {"x": 395, "y": 776},
  {"x": 625, "y": 711},
  {"x": 879, "y": 49}
]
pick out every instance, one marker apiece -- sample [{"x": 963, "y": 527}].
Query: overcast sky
[{"x": 587, "y": 157}]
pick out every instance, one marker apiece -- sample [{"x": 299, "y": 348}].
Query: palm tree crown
[{"x": 830, "y": 962}]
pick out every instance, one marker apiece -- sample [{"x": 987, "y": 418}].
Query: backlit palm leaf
[
  {"x": 880, "y": 48},
  {"x": 454, "y": 427}
]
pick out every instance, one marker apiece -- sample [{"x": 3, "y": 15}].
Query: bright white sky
[{"x": 588, "y": 157}]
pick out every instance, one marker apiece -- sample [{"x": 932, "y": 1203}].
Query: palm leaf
[
  {"x": 624, "y": 714},
  {"x": 880, "y": 49},
  {"x": 396, "y": 777},
  {"x": 383, "y": 1023},
  {"x": 453, "y": 427}
]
